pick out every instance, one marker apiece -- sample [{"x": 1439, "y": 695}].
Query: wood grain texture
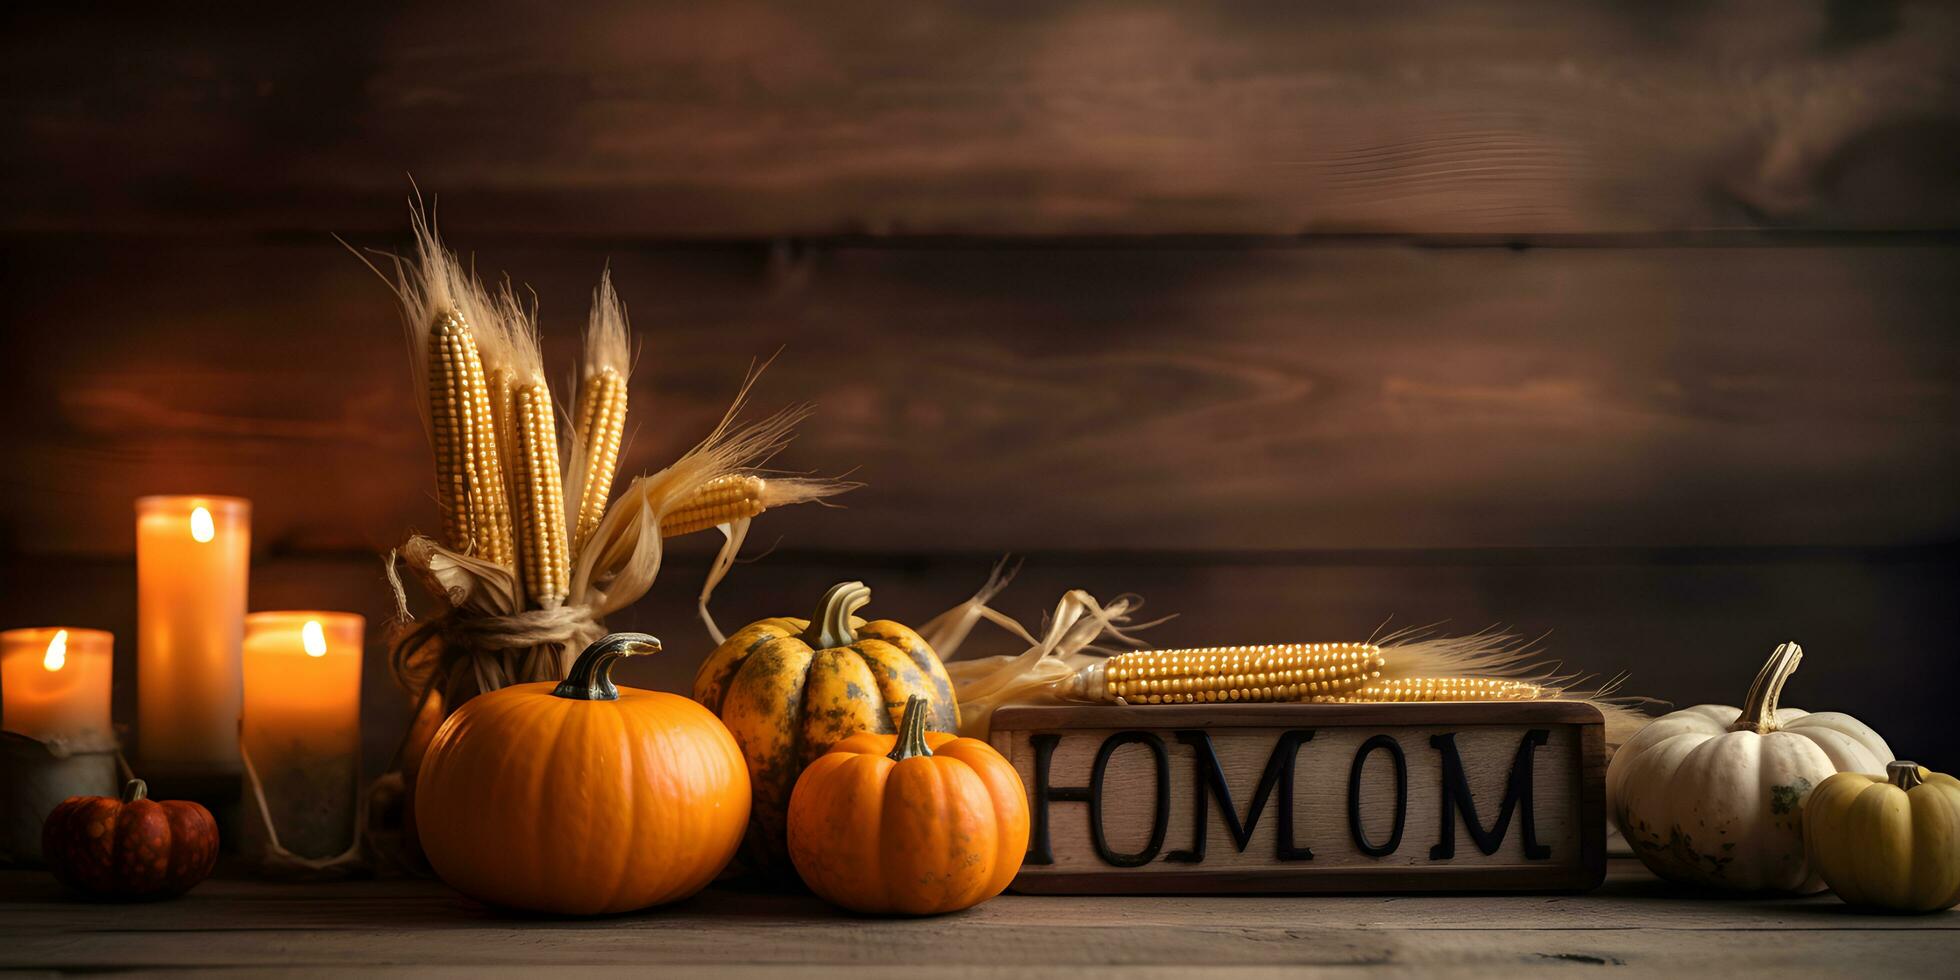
[
  {"x": 1299, "y": 838},
  {"x": 1163, "y": 399},
  {"x": 768, "y": 118},
  {"x": 420, "y": 928}
]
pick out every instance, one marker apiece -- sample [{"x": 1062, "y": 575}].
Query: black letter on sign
[
  {"x": 1210, "y": 779},
  {"x": 1456, "y": 792},
  {"x": 1401, "y": 796},
  {"x": 1040, "y": 849},
  {"x": 1161, "y": 819}
]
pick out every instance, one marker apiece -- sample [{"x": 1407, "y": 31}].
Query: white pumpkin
[{"x": 1713, "y": 795}]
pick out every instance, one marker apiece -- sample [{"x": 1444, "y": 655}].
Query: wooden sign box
[{"x": 1200, "y": 799}]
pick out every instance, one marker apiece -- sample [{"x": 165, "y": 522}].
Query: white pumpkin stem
[
  {"x": 1759, "y": 710},
  {"x": 1903, "y": 774}
]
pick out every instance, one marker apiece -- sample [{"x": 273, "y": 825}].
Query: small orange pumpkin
[
  {"x": 583, "y": 798},
  {"x": 916, "y": 823},
  {"x": 130, "y": 848}
]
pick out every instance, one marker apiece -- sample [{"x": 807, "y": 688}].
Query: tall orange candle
[
  {"x": 302, "y": 724},
  {"x": 193, "y": 561},
  {"x": 54, "y": 683}
]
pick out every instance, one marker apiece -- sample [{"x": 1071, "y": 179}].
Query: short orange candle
[
  {"x": 302, "y": 723},
  {"x": 193, "y": 563},
  {"x": 54, "y": 682}
]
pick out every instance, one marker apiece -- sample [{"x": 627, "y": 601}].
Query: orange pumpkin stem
[
  {"x": 134, "y": 790},
  {"x": 1759, "y": 710},
  {"x": 831, "y": 626},
  {"x": 1903, "y": 774},
  {"x": 590, "y": 678},
  {"x": 911, "y": 732}
]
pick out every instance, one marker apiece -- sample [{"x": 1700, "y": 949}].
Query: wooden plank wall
[
  {"x": 763, "y": 118},
  {"x": 1633, "y": 323}
]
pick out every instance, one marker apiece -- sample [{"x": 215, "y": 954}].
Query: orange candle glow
[
  {"x": 302, "y": 724},
  {"x": 193, "y": 560},
  {"x": 54, "y": 682}
]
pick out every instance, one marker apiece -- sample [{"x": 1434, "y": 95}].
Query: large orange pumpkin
[
  {"x": 791, "y": 688},
  {"x": 916, "y": 823},
  {"x": 582, "y": 798},
  {"x": 129, "y": 848}
]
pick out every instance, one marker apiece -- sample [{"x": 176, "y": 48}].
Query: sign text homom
[{"x": 1306, "y": 797}]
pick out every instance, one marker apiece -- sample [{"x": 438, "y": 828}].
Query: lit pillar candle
[
  {"x": 54, "y": 707},
  {"x": 193, "y": 559},
  {"x": 302, "y": 725},
  {"x": 54, "y": 683}
]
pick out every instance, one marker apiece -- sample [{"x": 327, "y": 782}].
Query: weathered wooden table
[{"x": 422, "y": 927}]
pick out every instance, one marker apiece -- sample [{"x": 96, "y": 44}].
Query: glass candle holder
[
  {"x": 301, "y": 730},
  {"x": 193, "y": 562}
]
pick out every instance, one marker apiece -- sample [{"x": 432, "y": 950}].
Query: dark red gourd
[{"x": 131, "y": 848}]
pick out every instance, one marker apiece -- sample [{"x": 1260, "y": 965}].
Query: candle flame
[
  {"x": 57, "y": 657},
  {"x": 313, "y": 638},
  {"x": 202, "y": 530}
]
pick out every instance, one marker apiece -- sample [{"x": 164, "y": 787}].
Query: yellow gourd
[
  {"x": 1889, "y": 842},
  {"x": 789, "y": 689}
]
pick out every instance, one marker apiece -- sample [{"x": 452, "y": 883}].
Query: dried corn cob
[
  {"x": 499, "y": 381},
  {"x": 540, "y": 496},
  {"x": 1275, "y": 672},
  {"x": 719, "y": 501},
  {"x": 599, "y": 418},
  {"x": 494, "y": 344},
  {"x": 537, "y": 484},
  {"x": 469, "y": 470},
  {"x": 597, "y": 428},
  {"x": 1438, "y": 689}
]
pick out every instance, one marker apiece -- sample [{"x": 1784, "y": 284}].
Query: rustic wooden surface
[
  {"x": 417, "y": 927},
  {"x": 1568, "y": 797}
]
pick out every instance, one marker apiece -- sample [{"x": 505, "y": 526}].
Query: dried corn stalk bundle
[{"x": 534, "y": 551}]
